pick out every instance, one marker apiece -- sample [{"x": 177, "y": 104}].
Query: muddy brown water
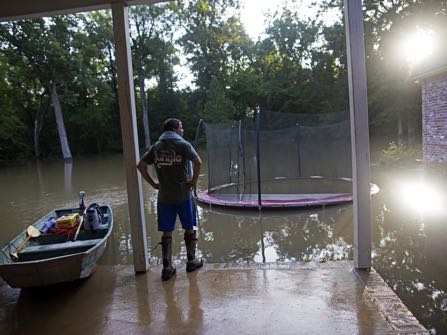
[{"x": 409, "y": 225}]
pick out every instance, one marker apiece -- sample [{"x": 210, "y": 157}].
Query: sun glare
[
  {"x": 419, "y": 46},
  {"x": 252, "y": 15},
  {"x": 421, "y": 197}
]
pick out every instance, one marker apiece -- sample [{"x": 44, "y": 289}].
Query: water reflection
[
  {"x": 409, "y": 243},
  {"x": 34, "y": 305},
  {"x": 409, "y": 239},
  {"x": 39, "y": 174},
  {"x": 271, "y": 251},
  {"x": 421, "y": 196},
  {"x": 231, "y": 236},
  {"x": 68, "y": 172}
]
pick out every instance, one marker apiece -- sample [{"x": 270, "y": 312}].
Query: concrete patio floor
[{"x": 296, "y": 298}]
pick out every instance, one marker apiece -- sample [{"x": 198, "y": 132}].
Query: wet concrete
[{"x": 293, "y": 298}]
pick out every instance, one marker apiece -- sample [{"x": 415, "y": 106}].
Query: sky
[{"x": 252, "y": 13}]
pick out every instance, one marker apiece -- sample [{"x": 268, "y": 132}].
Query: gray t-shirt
[{"x": 171, "y": 156}]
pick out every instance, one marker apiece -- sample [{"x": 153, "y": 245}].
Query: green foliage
[
  {"x": 13, "y": 138},
  {"x": 298, "y": 65},
  {"x": 302, "y": 71},
  {"x": 214, "y": 41},
  {"x": 393, "y": 95},
  {"x": 17, "y": 106},
  {"x": 395, "y": 155},
  {"x": 218, "y": 108}
]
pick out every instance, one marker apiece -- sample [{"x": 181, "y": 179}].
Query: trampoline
[{"x": 274, "y": 159}]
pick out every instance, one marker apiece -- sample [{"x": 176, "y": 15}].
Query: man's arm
[
  {"x": 196, "y": 165},
  {"x": 142, "y": 167}
]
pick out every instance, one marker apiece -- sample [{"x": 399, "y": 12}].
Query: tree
[
  {"x": 302, "y": 65},
  {"x": 392, "y": 91},
  {"x": 91, "y": 101},
  {"x": 14, "y": 141},
  {"x": 215, "y": 44},
  {"x": 45, "y": 46},
  {"x": 218, "y": 107},
  {"x": 153, "y": 52}
]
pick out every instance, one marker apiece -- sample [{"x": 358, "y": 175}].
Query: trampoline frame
[{"x": 309, "y": 201}]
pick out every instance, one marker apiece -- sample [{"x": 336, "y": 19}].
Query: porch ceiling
[{"x": 25, "y": 9}]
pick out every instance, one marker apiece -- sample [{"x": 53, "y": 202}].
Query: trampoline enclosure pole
[
  {"x": 196, "y": 138},
  {"x": 258, "y": 162},
  {"x": 230, "y": 180},
  {"x": 298, "y": 147},
  {"x": 239, "y": 163},
  {"x": 244, "y": 159}
]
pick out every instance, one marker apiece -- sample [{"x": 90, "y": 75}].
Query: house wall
[{"x": 434, "y": 118}]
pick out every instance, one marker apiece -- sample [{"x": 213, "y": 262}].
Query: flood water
[{"x": 409, "y": 225}]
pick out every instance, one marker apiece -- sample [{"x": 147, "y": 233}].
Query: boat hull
[{"x": 54, "y": 269}]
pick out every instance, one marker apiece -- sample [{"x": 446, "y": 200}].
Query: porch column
[
  {"x": 358, "y": 104},
  {"x": 126, "y": 99}
]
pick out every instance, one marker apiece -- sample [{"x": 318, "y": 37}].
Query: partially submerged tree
[
  {"x": 45, "y": 47},
  {"x": 14, "y": 140}
]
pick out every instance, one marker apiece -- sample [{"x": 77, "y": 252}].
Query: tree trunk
[
  {"x": 36, "y": 137},
  {"x": 410, "y": 134},
  {"x": 60, "y": 123},
  {"x": 144, "y": 105},
  {"x": 112, "y": 69},
  {"x": 400, "y": 132},
  {"x": 38, "y": 120}
]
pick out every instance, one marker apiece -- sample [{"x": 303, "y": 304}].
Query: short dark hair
[{"x": 171, "y": 124}]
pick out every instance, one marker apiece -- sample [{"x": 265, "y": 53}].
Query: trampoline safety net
[{"x": 279, "y": 160}]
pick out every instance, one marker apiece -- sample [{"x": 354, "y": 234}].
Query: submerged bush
[{"x": 397, "y": 154}]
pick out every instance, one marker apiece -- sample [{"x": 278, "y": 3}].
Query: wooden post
[
  {"x": 358, "y": 102},
  {"x": 126, "y": 99}
]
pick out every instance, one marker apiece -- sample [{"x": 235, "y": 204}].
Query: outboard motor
[{"x": 93, "y": 217}]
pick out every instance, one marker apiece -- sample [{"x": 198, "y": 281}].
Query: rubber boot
[
  {"x": 193, "y": 263},
  {"x": 166, "y": 251}
]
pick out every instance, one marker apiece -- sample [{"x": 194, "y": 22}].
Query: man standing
[{"x": 171, "y": 156}]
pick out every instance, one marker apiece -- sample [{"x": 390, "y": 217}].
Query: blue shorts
[{"x": 167, "y": 215}]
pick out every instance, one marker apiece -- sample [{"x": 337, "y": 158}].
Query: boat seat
[
  {"x": 51, "y": 238},
  {"x": 90, "y": 234},
  {"x": 60, "y": 246}
]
